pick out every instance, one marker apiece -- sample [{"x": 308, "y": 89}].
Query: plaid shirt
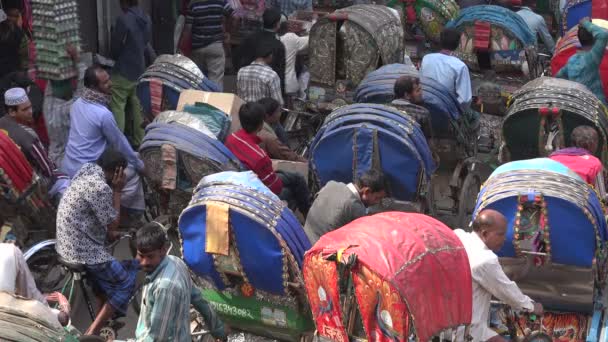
[
  {"x": 165, "y": 306},
  {"x": 257, "y": 81}
]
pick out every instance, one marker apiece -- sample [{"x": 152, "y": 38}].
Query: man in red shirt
[
  {"x": 580, "y": 159},
  {"x": 244, "y": 144}
]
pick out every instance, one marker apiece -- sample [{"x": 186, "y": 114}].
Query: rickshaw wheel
[
  {"x": 107, "y": 334},
  {"x": 467, "y": 199}
]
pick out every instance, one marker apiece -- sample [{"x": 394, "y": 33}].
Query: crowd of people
[{"x": 94, "y": 172}]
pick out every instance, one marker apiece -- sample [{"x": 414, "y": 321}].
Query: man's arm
[
  {"x": 302, "y": 43},
  {"x": 214, "y": 323},
  {"x": 546, "y": 36},
  {"x": 275, "y": 90},
  {"x": 601, "y": 39},
  {"x": 119, "y": 39},
  {"x": 463, "y": 88},
  {"x": 491, "y": 276},
  {"x": 120, "y": 142},
  {"x": 263, "y": 169},
  {"x": 162, "y": 314}
]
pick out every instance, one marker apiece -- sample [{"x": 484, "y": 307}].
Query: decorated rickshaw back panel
[
  {"x": 393, "y": 292},
  {"x": 432, "y": 15}
]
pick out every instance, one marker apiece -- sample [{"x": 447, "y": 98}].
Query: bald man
[{"x": 489, "y": 280}]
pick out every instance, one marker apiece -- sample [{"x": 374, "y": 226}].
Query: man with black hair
[
  {"x": 271, "y": 143},
  {"x": 93, "y": 129},
  {"x": 244, "y": 143},
  {"x": 489, "y": 279},
  {"x": 445, "y": 68},
  {"x": 87, "y": 217},
  {"x": 169, "y": 292},
  {"x": 131, "y": 49},
  {"x": 583, "y": 67},
  {"x": 258, "y": 80},
  {"x": 338, "y": 204},
  {"x": 248, "y": 53},
  {"x": 408, "y": 96}
]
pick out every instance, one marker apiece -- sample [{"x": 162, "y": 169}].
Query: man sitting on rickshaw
[
  {"x": 489, "y": 279},
  {"x": 408, "y": 97},
  {"x": 579, "y": 158}
]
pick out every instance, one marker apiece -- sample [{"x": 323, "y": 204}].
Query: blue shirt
[
  {"x": 452, "y": 73},
  {"x": 92, "y": 129},
  {"x": 584, "y": 66},
  {"x": 537, "y": 25}
]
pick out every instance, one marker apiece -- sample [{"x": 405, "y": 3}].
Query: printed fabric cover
[
  {"x": 575, "y": 10},
  {"x": 546, "y": 204},
  {"x": 15, "y": 170},
  {"x": 266, "y": 240},
  {"x": 381, "y": 137},
  {"x": 411, "y": 271}
]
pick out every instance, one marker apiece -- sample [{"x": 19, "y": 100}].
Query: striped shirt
[
  {"x": 257, "y": 81},
  {"x": 245, "y": 147},
  {"x": 206, "y": 17},
  {"x": 165, "y": 306}
]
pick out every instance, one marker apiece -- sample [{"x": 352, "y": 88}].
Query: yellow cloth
[{"x": 217, "y": 239}]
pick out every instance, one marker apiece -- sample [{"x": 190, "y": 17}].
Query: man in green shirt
[{"x": 169, "y": 291}]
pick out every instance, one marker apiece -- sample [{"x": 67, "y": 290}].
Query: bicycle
[{"x": 72, "y": 276}]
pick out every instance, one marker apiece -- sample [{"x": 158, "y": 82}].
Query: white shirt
[
  {"x": 15, "y": 276},
  {"x": 488, "y": 280},
  {"x": 293, "y": 45}
]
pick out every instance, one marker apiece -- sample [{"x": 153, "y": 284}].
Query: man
[
  {"x": 257, "y": 80},
  {"x": 204, "y": 23},
  {"x": 338, "y": 204},
  {"x": 93, "y": 129},
  {"x": 489, "y": 280},
  {"x": 19, "y": 110},
  {"x": 288, "y": 7},
  {"x": 294, "y": 45},
  {"x": 248, "y": 53},
  {"x": 537, "y": 25},
  {"x": 408, "y": 94},
  {"x": 580, "y": 159},
  {"x": 14, "y": 53},
  {"x": 169, "y": 292},
  {"x": 244, "y": 144},
  {"x": 131, "y": 50},
  {"x": 448, "y": 70},
  {"x": 583, "y": 67},
  {"x": 59, "y": 96},
  {"x": 271, "y": 143},
  {"x": 88, "y": 215}
]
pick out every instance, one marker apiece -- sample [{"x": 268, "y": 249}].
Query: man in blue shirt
[
  {"x": 584, "y": 66},
  {"x": 93, "y": 129},
  {"x": 449, "y": 70},
  {"x": 537, "y": 25}
]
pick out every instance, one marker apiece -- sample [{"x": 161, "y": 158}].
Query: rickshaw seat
[{"x": 72, "y": 267}]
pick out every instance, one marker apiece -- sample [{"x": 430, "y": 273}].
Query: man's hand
[
  {"x": 119, "y": 180},
  {"x": 72, "y": 51},
  {"x": 538, "y": 309}
]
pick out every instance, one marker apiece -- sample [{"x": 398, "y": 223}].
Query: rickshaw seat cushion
[{"x": 72, "y": 267}]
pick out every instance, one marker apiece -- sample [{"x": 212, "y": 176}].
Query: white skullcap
[{"x": 15, "y": 97}]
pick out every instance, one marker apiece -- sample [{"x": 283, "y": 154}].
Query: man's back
[
  {"x": 130, "y": 40},
  {"x": 585, "y": 165},
  {"x": 537, "y": 25},
  {"x": 257, "y": 81},
  {"x": 246, "y": 52},
  {"x": 165, "y": 311},
  {"x": 206, "y": 18},
  {"x": 335, "y": 206},
  {"x": 451, "y": 72}
]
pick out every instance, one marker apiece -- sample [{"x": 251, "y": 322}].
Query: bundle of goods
[
  {"x": 56, "y": 25},
  {"x": 546, "y": 204},
  {"x": 543, "y": 114},
  {"x": 388, "y": 277},
  {"x": 360, "y": 137},
  {"x": 160, "y": 86},
  {"x": 253, "y": 283}
]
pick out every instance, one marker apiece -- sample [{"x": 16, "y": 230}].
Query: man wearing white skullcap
[{"x": 15, "y": 123}]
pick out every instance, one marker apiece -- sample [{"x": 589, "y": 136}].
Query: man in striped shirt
[
  {"x": 204, "y": 23},
  {"x": 257, "y": 80},
  {"x": 169, "y": 292}
]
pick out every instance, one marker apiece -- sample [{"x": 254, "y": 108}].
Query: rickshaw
[
  {"x": 346, "y": 45},
  {"x": 555, "y": 248},
  {"x": 360, "y": 137},
  {"x": 159, "y": 88},
  {"x": 245, "y": 248},
  {"x": 454, "y": 185},
  {"x": 542, "y": 115},
  {"x": 407, "y": 279},
  {"x": 575, "y": 10},
  {"x": 497, "y": 38},
  {"x": 568, "y": 45},
  {"x": 179, "y": 150}
]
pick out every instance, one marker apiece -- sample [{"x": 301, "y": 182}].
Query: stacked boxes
[{"x": 56, "y": 25}]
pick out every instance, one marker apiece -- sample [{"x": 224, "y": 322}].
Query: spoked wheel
[
  {"x": 48, "y": 273},
  {"x": 198, "y": 329},
  {"x": 467, "y": 199}
]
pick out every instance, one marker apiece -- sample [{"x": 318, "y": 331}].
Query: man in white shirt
[
  {"x": 489, "y": 280},
  {"x": 294, "y": 45}
]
